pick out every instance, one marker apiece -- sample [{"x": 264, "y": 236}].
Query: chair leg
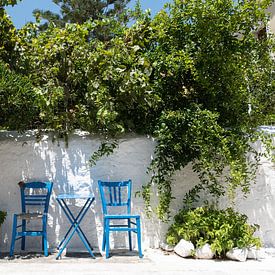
[
  {"x": 107, "y": 238},
  {"x": 130, "y": 235},
  {"x": 45, "y": 244},
  {"x": 13, "y": 235},
  {"x": 44, "y": 237},
  {"x": 104, "y": 236},
  {"x": 139, "y": 237},
  {"x": 23, "y": 240}
]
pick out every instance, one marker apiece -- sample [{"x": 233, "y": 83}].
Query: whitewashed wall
[{"x": 22, "y": 158}]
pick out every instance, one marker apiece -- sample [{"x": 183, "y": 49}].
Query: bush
[
  {"x": 2, "y": 216},
  {"x": 222, "y": 229}
]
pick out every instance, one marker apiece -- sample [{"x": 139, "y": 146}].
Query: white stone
[
  {"x": 252, "y": 253},
  {"x": 184, "y": 248},
  {"x": 256, "y": 253},
  {"x": 166, "y": 247},
  {"x": 237, "y": 254},
  {"x": 204, "y": 252}
]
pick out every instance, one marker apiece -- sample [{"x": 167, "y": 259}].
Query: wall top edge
[
  {"x": 270, "y": 129},
  {"x": 78, "y": 134},
  {"x": 49, "y": 136}
]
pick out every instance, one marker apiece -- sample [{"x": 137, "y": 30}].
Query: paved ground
[{"x": 154, "y": 262}]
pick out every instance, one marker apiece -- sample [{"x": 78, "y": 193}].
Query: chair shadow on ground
[
  {"x": 114, "y": 253},
  {"x": 22, "y": 256}
]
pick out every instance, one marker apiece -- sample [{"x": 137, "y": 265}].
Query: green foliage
[
  {"x": 93, "y": 86},
  {"x": 105, "y": 149},
  {"x": 2, "y": 217},
  {"x": 55, "y": 60},
  {"x": 7, "y": 39},
  {"x": 221, "y": 229},
  {"x": 209, "y": 67},
  {"x": 8, "y": 2},
  {"x": 17, "y": 101}
]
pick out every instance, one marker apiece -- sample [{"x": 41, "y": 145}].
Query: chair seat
[
  {"x": 30, "y": 216},
  {"x": 30, "y": 233},
  {"x": 122, "y": 217}
]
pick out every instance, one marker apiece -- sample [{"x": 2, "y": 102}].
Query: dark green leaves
[
  {"x": 18, "y": 108},
  {"x": 2, "y": 217},
  {"x": 221, "y": 229},
  {"x": 8, "y": 2}
]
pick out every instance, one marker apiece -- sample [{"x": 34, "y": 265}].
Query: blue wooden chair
[
  {"x": 34, "y": 195},
  {"x": 118, "y": 195}
]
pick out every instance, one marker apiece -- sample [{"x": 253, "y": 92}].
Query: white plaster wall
[{"x": 22, "y": 158}]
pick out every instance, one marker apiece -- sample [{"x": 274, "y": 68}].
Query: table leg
[
  {"x": 74, "y": 220},
  {"x": 76, "y": 225}
]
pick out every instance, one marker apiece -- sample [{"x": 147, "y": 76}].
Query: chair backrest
[
  {"x": 114, "y": 194},
  {"x": 35, "y": 194}
]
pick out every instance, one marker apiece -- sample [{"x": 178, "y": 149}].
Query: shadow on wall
[{"x": 22, "y": 158}]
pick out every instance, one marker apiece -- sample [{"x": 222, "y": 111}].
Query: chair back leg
[
  {"x": 13, "y": 235},
  {"x": 23, "y": 240},
  {"x": 45, "y": 244},
  {"x": 139, "y": 238},
  {"x": 130, "y": 235}
]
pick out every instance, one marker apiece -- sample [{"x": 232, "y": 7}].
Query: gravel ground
[{"x": 122, "y": 262}]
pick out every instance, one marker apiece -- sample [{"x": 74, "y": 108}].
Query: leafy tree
[
  {"x": 79, "y": 11},
  {"x": 59, "y": 56},
  {"x": 85, "y": 82}
]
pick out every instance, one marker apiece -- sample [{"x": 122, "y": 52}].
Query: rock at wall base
[
  {"x": 237, "y": 254},
  {"x": 256, "y": 254},
  {"x": 204, "y": 252},
  {"x": 166, "y": 247},
  {"x": 184, "y": 248}
]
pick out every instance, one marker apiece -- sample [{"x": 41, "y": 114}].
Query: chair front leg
[
  {"x": 107, "y": 237},
  {"x": 14, "y": 228},
  {"x": 44, "y": 237},
  {"x": 104, "y": 235},
  {"x": 23, "y": 240},
  {"x": 139, "y": 237},
  {"x": 130, "y": 235}
]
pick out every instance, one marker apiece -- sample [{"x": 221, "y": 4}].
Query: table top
[{"x": 75, "y": 196}]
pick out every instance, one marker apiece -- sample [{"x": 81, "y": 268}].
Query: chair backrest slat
[
  {"x": 115, "y": 197},
  {"x": 29, "y": 196},
  {"x": 119, "y": 194},
  {"x": 115, "y": 194},
  {"x": 110, "y": 194}
]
